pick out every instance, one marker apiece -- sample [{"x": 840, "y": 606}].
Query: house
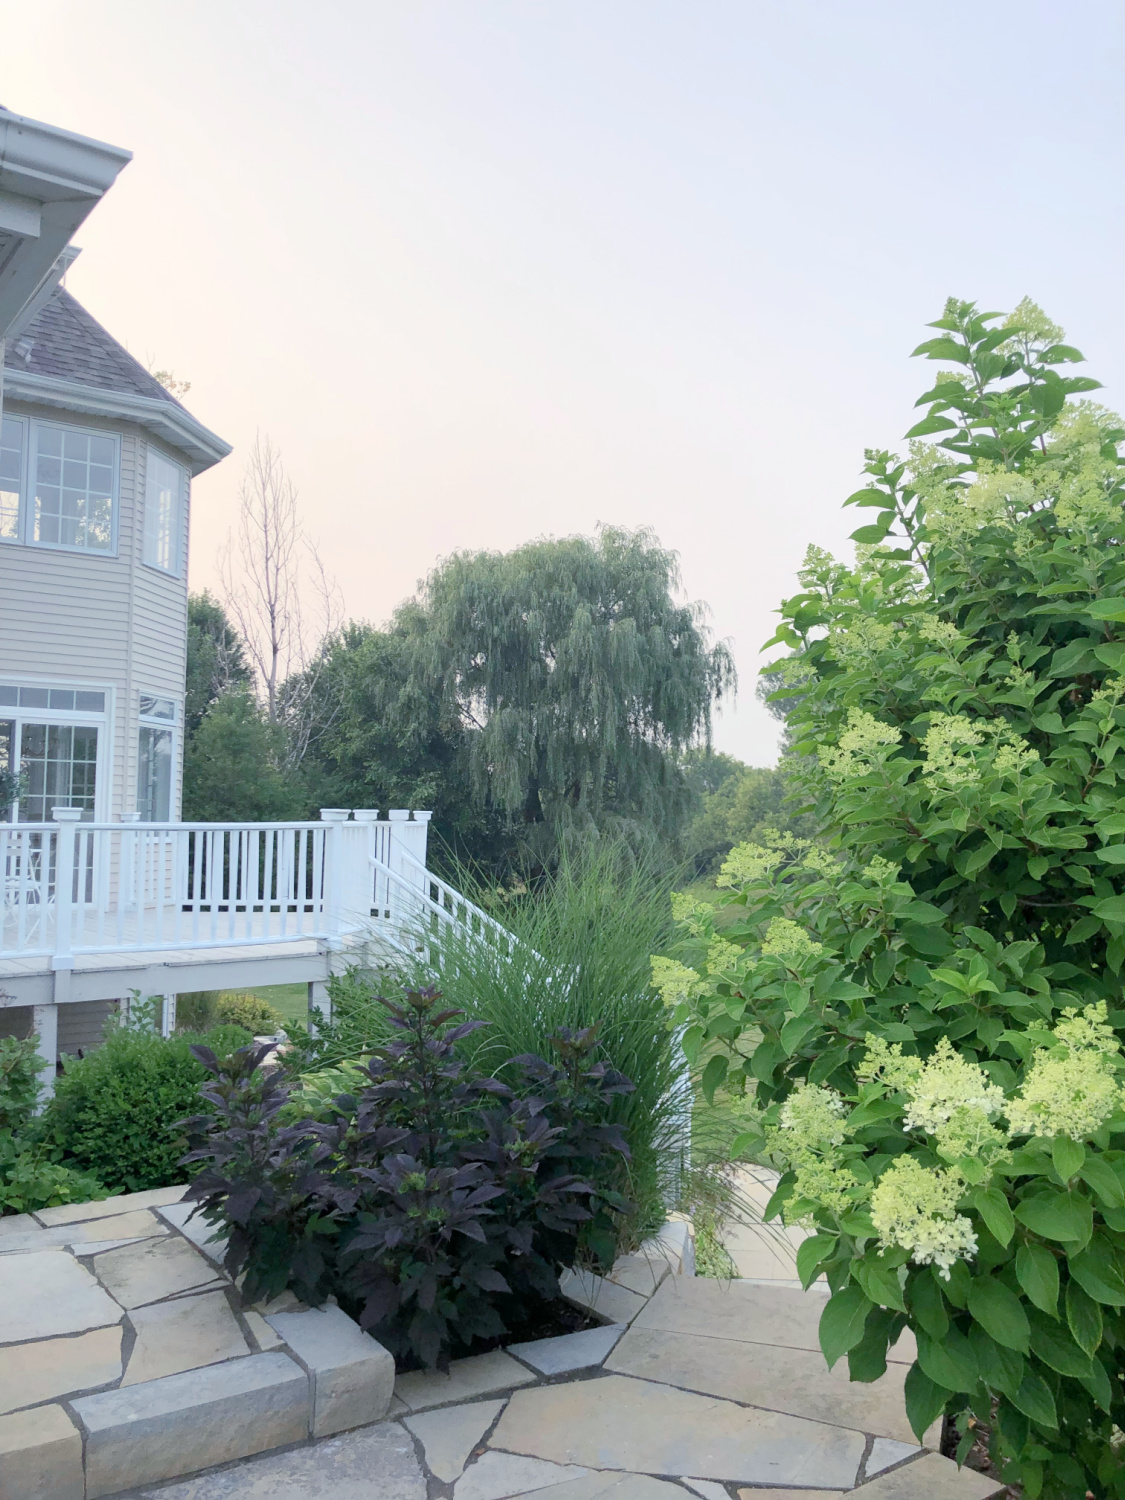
[{"x": 104, "y": 892}]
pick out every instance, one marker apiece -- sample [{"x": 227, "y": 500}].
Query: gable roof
[
  {"x": 66, "y": 342},
  {"x": 65, "y": 358}
]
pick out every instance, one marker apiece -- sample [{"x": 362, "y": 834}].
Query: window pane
[
  {"x": 154, "y": 775},
  {"x": 163, "y": 489},
  {"x": 34, "y": 697},
  {"x": 11, "y": 477},
  {"x": 157, "y": 708},
  {"x": 61, "y": 698},
  {"x": 90, "y": 702},
  {"x": 7, "y": 746},
  {"x": 59, "y": 765},
  {"x": 9, "y": 696},
  {"x": 74, "y": 498}
]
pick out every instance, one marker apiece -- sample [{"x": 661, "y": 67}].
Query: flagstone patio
[{"x": 692, "y": 1387}]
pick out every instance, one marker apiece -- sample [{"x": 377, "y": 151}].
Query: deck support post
[{"x": 45, "y": 1023}]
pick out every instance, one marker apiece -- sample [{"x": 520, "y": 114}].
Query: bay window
[{"x": 58, "y": 486}]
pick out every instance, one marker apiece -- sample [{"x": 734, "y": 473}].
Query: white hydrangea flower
[
  {"x": 748, "y": 863},
  {"x": 790, "y": 942},
  {"x": 915, "y": 1208},
  {"x": 863, "y": 738},
  {"x": 1071, "y": 1088},
  {"x": 885, "y": 1062},
  {"x": 813, "y": 1120},
  {"x": 674, "y": 982},
  {"x": 947, "y": 1085}
]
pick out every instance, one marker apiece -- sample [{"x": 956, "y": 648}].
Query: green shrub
[
  {"x": 115, "y": 1110},
  {"x": 253, "y": 1014},
  {"x": 30, "y": 1175},
  {"x": 438, "y": 1206},
  {"x": 937, "y": 985}
]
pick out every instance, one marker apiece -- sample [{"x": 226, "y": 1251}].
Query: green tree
[
  {"x": 737, "y": 803},
  {"x": 216, "y": 658},
  {"x": 390, "y": 743},
  {"x": 959, "y": 726},
  {"x": 577, "y": 675},
  {"x": 232, "y": 767},
  {"x": 527, "y": 695}
]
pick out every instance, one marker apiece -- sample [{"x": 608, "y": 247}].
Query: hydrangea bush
[{"x": 927, "y": 999}]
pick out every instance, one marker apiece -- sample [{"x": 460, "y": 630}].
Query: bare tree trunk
[{"x": 264, "y": 571}]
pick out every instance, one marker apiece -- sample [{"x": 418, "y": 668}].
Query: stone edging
[{"x": 308, "y": 1372}]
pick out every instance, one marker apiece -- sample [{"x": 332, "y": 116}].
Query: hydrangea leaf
[
  {"x": 842, "y": 1321},
  {"x": 1000, "y": 1313},
  {"x": 1037, "y": 1271}
]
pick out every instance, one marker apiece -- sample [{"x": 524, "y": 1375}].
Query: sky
[{"x": 487, "y": 270}]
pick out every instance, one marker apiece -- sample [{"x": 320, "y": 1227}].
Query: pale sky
[{"x": 486, "y": 270}]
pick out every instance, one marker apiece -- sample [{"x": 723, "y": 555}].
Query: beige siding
[
  {"x": 106, "y": 621},
  {"x": 82, "y": 1025}
]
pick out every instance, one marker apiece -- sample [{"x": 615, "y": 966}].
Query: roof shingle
[{"x": 68, "y": 344}]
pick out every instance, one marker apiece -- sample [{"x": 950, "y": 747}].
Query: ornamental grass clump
[{"x": 926, "y": 999}]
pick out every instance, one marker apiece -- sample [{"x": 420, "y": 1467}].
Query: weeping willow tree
[{"x": 576, "y": 675}]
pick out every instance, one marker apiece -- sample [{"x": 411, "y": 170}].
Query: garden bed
[{"x": 118, "y": 1324}]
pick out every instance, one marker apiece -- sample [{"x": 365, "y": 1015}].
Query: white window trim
[
  {"x": 25, "y": 529},
  {"x": 21, "y": 516},
  {"x": 171, "y": 726},
  {"x": 104, "y": 723},
  {"x": 178, "y": 544}
]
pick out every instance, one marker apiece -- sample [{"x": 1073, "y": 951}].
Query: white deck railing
[{"x": 72, "y": 888}]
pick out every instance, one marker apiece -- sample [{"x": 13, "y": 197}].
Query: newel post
[
  {"x": 65, "y": 842},
  {"x": 334, "y": 879}
]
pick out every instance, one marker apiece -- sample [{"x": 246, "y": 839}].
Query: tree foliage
[
  {"x": 553, "y": 687},
  {"x": 958, "y": 729}
]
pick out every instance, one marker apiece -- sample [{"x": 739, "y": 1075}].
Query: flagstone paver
[
  {"x": 757, "y": 1492},
  {"x": 449, "y": 1435},
  {"x": 190, "y": 1222},
  {"x": 40, "y": 1455},
  {"x": 930, "y": 1477},
  {"x": 619, "y": 1423},
  {"x": 75, "y": 1213},
  {"x": 49, "y": 1293},
  {"x": 58, "y": 1367},
  {"x": 705, "y": 1389},
  {"x": 622, "y": 1487},
  {"x": 152, "y": 1270},
  {"x": 616, "y": 1304},
  {"x": 709, "y": 1489},
  {"x": 762, "y": 1313},
  {"x": 127, "y": 1226},
  {"x": 183, "y": 1334},
  {"x": 796, "y": 1381},
  {"x": 479, "y": 1375},
  {"x": 885, "y": 1453},
  {"x": 569, "y": 1351},
  {"x": 377, "y": 1463},
  {"x": 498, "y": 1476}
]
